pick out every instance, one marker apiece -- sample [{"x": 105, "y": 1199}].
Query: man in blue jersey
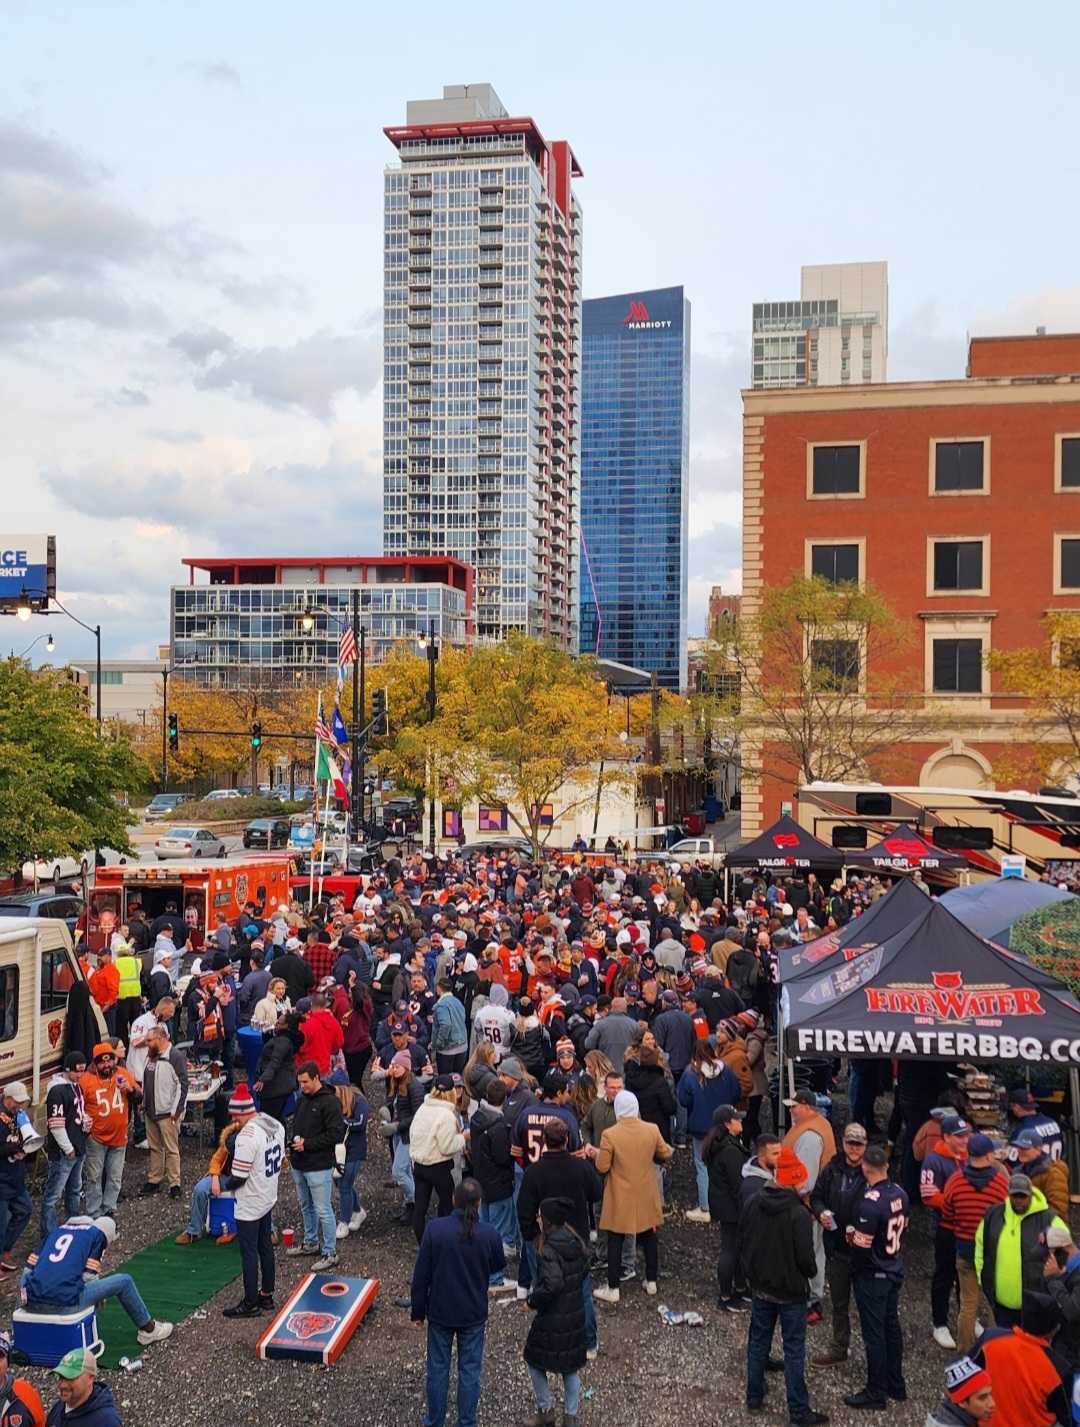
[
  {"x": 64, "y": 1274},
  {"x": 875, "y": 1238},
  {"x": 1027, "y": 1117},
  {"x": 528, "y": 1143}
]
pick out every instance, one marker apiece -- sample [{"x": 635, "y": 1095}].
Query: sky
[{"x": 191, "y": 237}]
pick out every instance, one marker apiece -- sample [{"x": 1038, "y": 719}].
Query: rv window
[
  {"x": 9, "y": 1002},
  {"x": 56, "y": 979}
]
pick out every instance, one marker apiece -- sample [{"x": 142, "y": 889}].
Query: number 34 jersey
[
  {"x": 258, "y": 1154},
  {"x": 878, "y": 1221}
]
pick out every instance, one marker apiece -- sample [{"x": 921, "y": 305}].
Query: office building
[
  {"x": 482, "y": 297},
  {"x": 130, "y": 688},
  {"x": 635, "y": 480},
  {"x": 836, "y": 334},
  {"x": 960, "y": 502},
  {"x": 273, "y": 623}
]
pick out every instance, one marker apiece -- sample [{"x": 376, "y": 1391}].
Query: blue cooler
[
  {"x": 222, "y": 1214},
  {"x": 44, "y": 1338}
]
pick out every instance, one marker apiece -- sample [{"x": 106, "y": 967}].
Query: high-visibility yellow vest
[{"x": 130, "y": 969}]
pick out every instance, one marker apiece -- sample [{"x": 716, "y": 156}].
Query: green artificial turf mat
[{"x": 173, "y": 1280}]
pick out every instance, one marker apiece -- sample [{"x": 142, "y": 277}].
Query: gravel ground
[{"x": 646, "y": 1373}]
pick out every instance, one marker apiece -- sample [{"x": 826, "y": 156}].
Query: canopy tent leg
[{"x": 1073, "y": 1133}]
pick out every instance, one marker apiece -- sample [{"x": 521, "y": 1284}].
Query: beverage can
[{"x": 131, "y": 1364}]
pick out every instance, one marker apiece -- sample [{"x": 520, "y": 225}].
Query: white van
[{"x": 38, "y": 968}]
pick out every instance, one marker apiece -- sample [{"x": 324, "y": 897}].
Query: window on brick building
[
  {"x": 958, "y": 666},
  {"x": 958, "y": 565},
  {"x": 958, "y": 466},
  {"x": 835, "y": 663},
  {"x": 1070, "y": 462},
  {"x": 1069, "y": 557},
  {"x": 837, "y": 563},
  {"x": 837, "y": 470}
]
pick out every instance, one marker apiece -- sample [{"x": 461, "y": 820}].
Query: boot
[
  {"x": 542, "y": 1419},
  {"x": 830, "y": 1357}
]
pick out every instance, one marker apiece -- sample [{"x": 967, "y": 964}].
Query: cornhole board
[{"x": 318, "y": 1319}]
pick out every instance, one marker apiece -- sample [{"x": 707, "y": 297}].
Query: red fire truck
[{"x": 197, "y": 890}]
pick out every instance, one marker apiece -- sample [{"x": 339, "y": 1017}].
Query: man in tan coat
[{"x": 632, "y": 1204}]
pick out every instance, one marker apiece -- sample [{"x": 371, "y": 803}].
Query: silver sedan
[{"x": 189, "y": 842}]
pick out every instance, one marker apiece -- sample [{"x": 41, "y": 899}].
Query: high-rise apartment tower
[
  {"x": 482, "y": 295},
  {"x": 836, "y": 334}
]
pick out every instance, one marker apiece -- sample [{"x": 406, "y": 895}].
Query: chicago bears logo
[
  {"x": 311, "y": 1325},
  {"x": 241, "y": 889},
  {"x": 55, "y": 1027}
]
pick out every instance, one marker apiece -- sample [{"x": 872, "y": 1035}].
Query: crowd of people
[{"x": 527, "y": 1048}]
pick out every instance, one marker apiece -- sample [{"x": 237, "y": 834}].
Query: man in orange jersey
[
  {"x": 105, "y": 987},
  {"x": 106, "y": 1088}
]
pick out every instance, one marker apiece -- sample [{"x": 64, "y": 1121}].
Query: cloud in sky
[{"x": 220, "y": 74}]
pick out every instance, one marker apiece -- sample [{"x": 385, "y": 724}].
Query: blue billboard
[{"x": 27, "y": 569}]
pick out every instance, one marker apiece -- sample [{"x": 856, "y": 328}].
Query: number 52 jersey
[
  {"x": 878, "y": 1222},
  {"x": 258, "y": 1154}
]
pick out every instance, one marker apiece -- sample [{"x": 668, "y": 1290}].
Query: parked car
[
  {"x": 219, "y": 794},
  {"x": 494, "y": 845},
  {"x": 189, "y": 842},
  {"x": 57, "y": 869},
  {"x": 59, "y": 906},
  {"x": 161, "y": 804},
  {"x": 267, "y": 832}
]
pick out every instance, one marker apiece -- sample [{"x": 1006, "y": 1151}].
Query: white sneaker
[
  {"x": 593, "y": 1236},
  {"x": 157, "y": 1334},
  {"x": 944, "y": 1339},
  {"x": 979, "y": 1330},
  {"x": 357, "y": 1220},
  {"x": 522, "y": 1293},
  {"x": 650, "y": 1288},
  {"x": 699, "y": 1216},
  {"x": 327, "y": 1261},
  {"x": 606, "y": 1295},
  {"x": 143, "y": 1145},
  {"x": 342, "y": 1231},
  {"x": 590, "y": 1354},
  {"x": 508, "y": 1285}
]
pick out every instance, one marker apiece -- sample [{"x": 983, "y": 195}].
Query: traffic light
[
  {"x": 379, "y": 711},
  {"x": 256, "y": 736},
  {"x": 174, "y": 733}
]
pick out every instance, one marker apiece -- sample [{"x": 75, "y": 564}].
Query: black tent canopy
[
  {"x": 786, "y": 846},
  {"x": 903, "y": 850},
  {"x": 897, "y": 909},
  {"x": 933, "y": 990}
]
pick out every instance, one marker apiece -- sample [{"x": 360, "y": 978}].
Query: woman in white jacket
[{"x": 435, "y": 1137}]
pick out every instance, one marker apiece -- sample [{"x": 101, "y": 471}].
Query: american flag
[
  {"x": 322, "y": 728},
  {"x": 346, "y": 650}
]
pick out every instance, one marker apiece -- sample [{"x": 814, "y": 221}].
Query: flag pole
[
  {"x": 314, "y": 808},
  {"x": 326, "y": 824}
]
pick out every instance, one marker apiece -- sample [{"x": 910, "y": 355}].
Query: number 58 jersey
[
  {"x": 258, "y": 1154},
  {"x": 879, "y": 1219}
]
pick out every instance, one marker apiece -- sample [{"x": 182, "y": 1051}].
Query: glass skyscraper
[{"x": 635, "y": 433}]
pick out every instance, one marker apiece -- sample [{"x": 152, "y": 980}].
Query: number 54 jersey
[
  {"x": 878, "y": 1222},
  {"x": 258, "y": 1154}
]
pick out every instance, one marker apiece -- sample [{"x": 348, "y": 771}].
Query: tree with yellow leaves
[{"x": 1047, "y": 676}]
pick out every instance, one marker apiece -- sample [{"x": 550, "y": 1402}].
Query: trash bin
[{"x": 695, "y": 824}]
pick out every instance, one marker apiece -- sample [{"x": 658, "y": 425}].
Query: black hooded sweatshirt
[{"x": 776, "y": 1242}]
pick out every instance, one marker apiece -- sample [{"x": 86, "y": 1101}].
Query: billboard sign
[{"x": 27, "y": 567}]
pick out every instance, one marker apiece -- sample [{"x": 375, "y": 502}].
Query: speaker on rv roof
[
  {"x": 849, "y": 838},
  {"x": 1053, "y": 792},
  {"x": 1070, "y": 839},
  {"x": 963, "y": 839},
  {"x": 873, "y": 805}
]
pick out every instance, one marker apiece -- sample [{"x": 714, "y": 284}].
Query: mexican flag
[{"x": 328, "y": 769}]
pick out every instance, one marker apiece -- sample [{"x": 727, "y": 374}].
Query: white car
[
  {"x": 57, "y": 869},
  {"x": 219, "y": 793},
  {"x": 189, "y": 842}
]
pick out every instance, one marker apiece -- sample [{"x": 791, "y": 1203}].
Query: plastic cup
[{"x": 287, "y": 1238}]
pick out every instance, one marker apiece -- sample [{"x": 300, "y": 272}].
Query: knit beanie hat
[
  {"x": 964, "y": 1377},
  {"x": 565, "y": 1045},
  {"x": 240, "y": 1101},
  {"x": 790, "y": 1170},
  {"x": 402, "y": 1059}
]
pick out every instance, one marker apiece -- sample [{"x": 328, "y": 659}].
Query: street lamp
[
  {"x": 50, "y": 644},
  {"x": 307, "y": 621},
  {"x": 431, "y": 646},
  {"x": 24, "y": 609}
]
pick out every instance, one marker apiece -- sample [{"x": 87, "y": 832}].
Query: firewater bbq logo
[
  {"x": 947, "y": 999},
  {"x": 637, "y": 318}
]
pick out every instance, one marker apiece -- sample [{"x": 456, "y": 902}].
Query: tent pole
[{"x": 1074, "y": 1133}]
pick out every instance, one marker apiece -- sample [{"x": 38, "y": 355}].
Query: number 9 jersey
[
  {"x": 258, "y": 1155},
  {"x": 878, "y": 1222}
]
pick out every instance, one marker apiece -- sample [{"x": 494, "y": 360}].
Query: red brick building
[{"x": 958, "y": 500}]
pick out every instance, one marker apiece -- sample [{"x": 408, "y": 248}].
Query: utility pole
[
  {"x": 432, "y": 658},
  {"x": 164, "y": 729}
]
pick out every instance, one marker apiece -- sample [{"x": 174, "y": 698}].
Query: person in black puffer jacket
[
  {"x": 556, "y": 1341},
  {"x": 275, "y": 1075},
  {"x": 645, "y": 1078},
  {"x": 724, "y": 1158}
]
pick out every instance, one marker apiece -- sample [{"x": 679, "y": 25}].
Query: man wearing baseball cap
[
  {"x": 16, "y": 1206},
  {"x": 1049, "y": 1175},
  {"x": 83, "y": 1399},
  {"x": 839, "y": 1187},
  {"x": 979, "y": 1184},
  {"x": 1028, "y": 1117},
  {"x": 968, "y": 1396},
  {"x": 940, "y": 1163},
  {"x": 1010, "y": 1249}
]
